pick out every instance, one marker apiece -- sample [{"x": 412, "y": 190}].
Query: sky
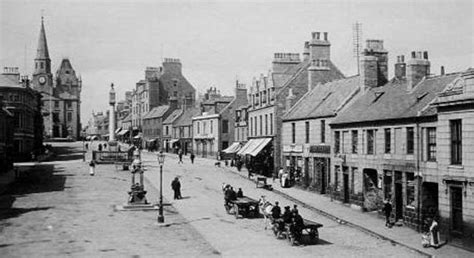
[{"x": 221, "y": 41}]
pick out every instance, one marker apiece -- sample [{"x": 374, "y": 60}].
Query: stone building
[
  {"x": 6, "y": 138},
  {"x": 153, "y": 123},
  {"x": 385, "y": 142},
  {"x": 159, "y": 85},
  {"x": 24, "y": 103},
  {"x": 171, "y": 137},
  {"x": 61, "y": 94},
  {"x": 451, "y": 188},
  {"x": 183, "y": 129},
  {"x": 306, "y": 137},
  {"x": 270, "y": 97}
]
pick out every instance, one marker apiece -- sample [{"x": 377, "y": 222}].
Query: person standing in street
[
  {"x": 192, "y": 157},
  {"x": 92, "y": 168},
  {"x": 176, "y": 186},
  {"x": 100, "y": 147},
  {"x": 388, "y": 211},
  {"x": 180, "y": 155},
  {"x": 434, "y": 232}
]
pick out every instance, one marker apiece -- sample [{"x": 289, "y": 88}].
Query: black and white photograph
[{"x": 236, "y": 128}]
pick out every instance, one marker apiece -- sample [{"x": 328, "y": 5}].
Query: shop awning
[
  {"x": 138, "y": 136},
  {"x": 249, "y": 146},
  {"x": 118, "y": 130},
  {"x": 88, "y": 137},
  {"x": 233, "y": 148},
  {"x": 259, "y": 147},
  {"x": 151, "y": 140},
  {"x": 123, "y": 132}
]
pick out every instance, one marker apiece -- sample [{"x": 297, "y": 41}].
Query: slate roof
[
  {"x": 128, "y": 118},
  {"x": 301, "y": 75},
  {"x": 5, "y": 81},
  {"x": 324, "y": 100},
  {"x": 156, "y": 112},
  {"x": 394, "y": 101},
  {"x": 173, "y": 116},
  {"x": 186, "y": 118}
]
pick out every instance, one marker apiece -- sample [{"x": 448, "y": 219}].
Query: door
[
  {"x": 398, "y": 201},
  {"x": 456, "y": 209},
  {"x": 306, "y": 172},
  {"x": 345, "y": 178}
]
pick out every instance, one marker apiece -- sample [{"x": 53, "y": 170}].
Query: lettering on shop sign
[{"x": 326, "y": 149}]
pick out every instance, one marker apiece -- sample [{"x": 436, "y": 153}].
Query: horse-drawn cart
[
  {"x": 308, "y": 233},
  {"x": 244, "y": 206}
]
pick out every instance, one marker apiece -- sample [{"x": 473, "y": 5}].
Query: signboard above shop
[{"x": 293, "y": 148}]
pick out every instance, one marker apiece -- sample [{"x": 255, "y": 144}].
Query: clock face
[{"x": 42, "y": 80}]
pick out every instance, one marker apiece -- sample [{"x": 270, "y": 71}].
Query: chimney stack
[
  {"x": 172, "y": 65},
  {"x": 283, "y": 61},
  {"x": 173, "y": 103},
  {"x": 316, "y": 70},
  {"x": 306, "y": 51},
  {"x": 400, "y": 68},
  {"x": 442, "y": 70},
  {"x": 374, "y": 64},
  {"x": 417, "y": 68},
  {"x": 319, "y": 49}
]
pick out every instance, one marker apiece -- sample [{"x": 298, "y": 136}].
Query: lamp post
[{"x": 161, "y": 161}]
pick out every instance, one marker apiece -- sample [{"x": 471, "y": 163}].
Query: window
[
  {"x": 204, "y": 124},
  {"x": 175, "y": 94},
  {"x": 293, "y": 132},
  {"x": 355, "y": 141},
  {"x": 410, "y": 140},
  {"x": 307, "y": 132},
  {"x": 271, "y": 124},
  {"x": 198, "y": 125},
  {"x": 431, "y": 143},
  {"x": 69, "y": 116},
  {"x": 323, "y": 131},
  {"x": 69, "y": 104},
  {"x": 211, "y": 125},
  {"x": 56, "y": 104},
  {"x": 266, "y": 124},
  {"x": 42, "y": 65},
  {"x": 456, "y": 141},
  {"x": 251, "y": 126},
  {"x": 261, "y": 125},
  {"x": 410, "y": 185},
  {"x": 225, "y": 126},
  {"x": 337, "y": 141},
  {"x": 370, "y": 141},
  {"x": 388, "y": 143}
]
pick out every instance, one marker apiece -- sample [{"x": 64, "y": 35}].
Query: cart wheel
[{"x": 314, "y": 236}]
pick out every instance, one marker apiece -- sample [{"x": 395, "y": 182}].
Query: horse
[{"x": 266, "y": 209}]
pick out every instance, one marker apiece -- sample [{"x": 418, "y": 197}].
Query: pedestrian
[
  {"x": 180, "y": 155},
  {"x": 276, "y": 211},
  {"x": 295, "y": 209},
  {"x": 280, "y": 173},
  {"x": 105, "y": 146},
  {"x": 92, "y": 168},
  {"x": 118, "y": 148},
  {"x": 100, "y": 147},
  {"x": 240, "y": 194},
  {"x": 87, "y": 146},
  {"x": 192, "y": 157},
  {"x": 434, "y": 232},
  {"x": 388, "y": 211},
  {"x": 176, "y": 186}
]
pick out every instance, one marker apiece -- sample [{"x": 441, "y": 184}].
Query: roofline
[
  {"x": 405, "y": 120},
  {"x": 308, "y": 118}
]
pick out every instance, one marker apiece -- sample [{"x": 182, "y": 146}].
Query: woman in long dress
[{"x": 434, "y": 232}]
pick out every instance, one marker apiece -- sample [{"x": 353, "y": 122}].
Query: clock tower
[{"x": 42, "y": 77}]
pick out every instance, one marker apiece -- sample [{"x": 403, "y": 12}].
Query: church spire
[{"x": 42, "y": 51}]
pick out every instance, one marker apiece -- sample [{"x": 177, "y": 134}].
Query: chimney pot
[
  {"x": 425, "y": 55},
  {"x": 442, "y": 70},
  {"x": 325, "y": 36},
  {"x": 318, "y": 35},
  {"x": 402, "y": 58},
  {"x": 413, "y": 54}
]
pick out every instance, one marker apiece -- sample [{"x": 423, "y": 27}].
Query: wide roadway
[{"x": 202, "y": 206}]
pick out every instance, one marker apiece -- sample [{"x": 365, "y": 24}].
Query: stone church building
[{"x": 61, "y": 94}]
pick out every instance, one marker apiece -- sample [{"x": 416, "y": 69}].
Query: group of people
[
  {"x": 430, "y": 238},
  {"x": 180, "y": 157},
  {"x": 230, "y": 194},
  {"x": 290, "y": 217}
]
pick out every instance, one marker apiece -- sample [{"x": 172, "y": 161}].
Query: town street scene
[{"x": 244, "y": 128}]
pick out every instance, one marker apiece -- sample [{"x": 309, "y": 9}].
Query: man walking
[
  {"x": 192, "y": 157},
  {"x": 388, "y": 211},
  {"x": 180, "y": 155},
  {"x": 176, "y": 186}
]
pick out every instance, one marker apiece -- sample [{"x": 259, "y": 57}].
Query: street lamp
[{"x": 161, "y": 161}]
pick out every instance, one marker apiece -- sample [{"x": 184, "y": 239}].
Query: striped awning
[{"x": 233, "y": 148}]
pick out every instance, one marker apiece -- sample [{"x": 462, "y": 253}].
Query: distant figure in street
[
  {"x": 240, "y": 193},
  {"x": 180, "y": 155},
  {"x": 434, "y": 232},
  {"x": 295, "y": 209},
  {"x": 105, "y": 145},
  {"x": 100, "y": 147},
  {"x": 192, "y": 157},
  {"x": 92, "y": 168},
  {"x": 176, "y": 186},
  {"x": 87, "y": 146},
  {"x": 388, "y": 211},
  {"x": 119, "y": 148}
]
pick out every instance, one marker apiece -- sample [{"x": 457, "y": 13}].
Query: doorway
[
  {"x": 345, "y": 179},
  {"x": 398, "y": 201},
  {"x": 456, "y": 209},
  {"x": 306, "y": 172}
]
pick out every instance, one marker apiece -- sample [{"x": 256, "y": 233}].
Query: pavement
[{"x": 369, "y": 222}]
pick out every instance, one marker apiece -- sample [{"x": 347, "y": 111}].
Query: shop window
[
  {"x": 410, "y": 140},
  {"x": 410, "y": 186},
  {"x": 69, "y": 116},
  {"x": 387, "y": 181},
  {"x": 431, "y": 143}
]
